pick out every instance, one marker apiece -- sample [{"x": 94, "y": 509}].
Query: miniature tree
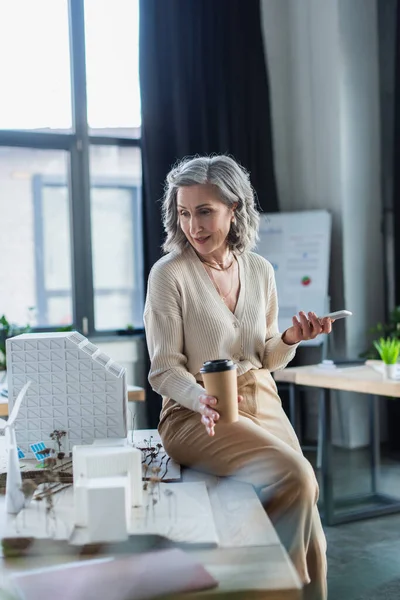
[
  {"x": 48, "y": 478},
  {"x": 57, "y": 436}
]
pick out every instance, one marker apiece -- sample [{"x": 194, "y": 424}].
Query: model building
[{"x": 75, "y": 387}]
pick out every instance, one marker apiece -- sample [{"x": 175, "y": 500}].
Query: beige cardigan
[{"x": 187, "y": 323}]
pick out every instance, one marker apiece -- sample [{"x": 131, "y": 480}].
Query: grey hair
[{"x": 232, "y": 183}]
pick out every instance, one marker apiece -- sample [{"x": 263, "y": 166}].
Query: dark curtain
[
  {"x": 396, "y": 155},
  {"x": 204, "y": 89},
  {"x": 391, "y": 100}
]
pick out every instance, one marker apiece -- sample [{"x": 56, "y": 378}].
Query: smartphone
[{"x": 339, "y": 314}]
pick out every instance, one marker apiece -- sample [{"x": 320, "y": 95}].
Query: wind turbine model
[{"x": 15, "y": 499}]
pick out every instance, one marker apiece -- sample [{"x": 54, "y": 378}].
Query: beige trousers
[{"x": 261, "y": 449}]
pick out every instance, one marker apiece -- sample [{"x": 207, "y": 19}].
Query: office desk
[
  {"x": 364, "y": 380},
  {"x": 135, "y": 394},
  {"x": 249, "y": 562}
]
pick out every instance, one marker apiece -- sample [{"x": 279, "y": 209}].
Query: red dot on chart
[{"x": 306, "y": 280}]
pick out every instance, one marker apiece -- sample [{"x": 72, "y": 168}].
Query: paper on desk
[
  {"x": 182, "y": 513},
  {"x": 137, "y": 577}
]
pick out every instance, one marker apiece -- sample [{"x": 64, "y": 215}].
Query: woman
[{"x": 209, "y": 297}]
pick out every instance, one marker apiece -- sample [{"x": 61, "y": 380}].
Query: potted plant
[
  {"x": 129, "y": 330},
  {"x": 388, "y": 349},
  {"x": 8, "y": 330}
]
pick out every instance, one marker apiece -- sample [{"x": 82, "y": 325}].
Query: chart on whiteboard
[{"x": 298, "y": 246}]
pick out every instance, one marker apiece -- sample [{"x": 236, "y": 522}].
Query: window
[
  {"x": 70, "y": 177},
  {"x": 112, "y": 66},
  {"x": 27, "y": 268},
  {"x": 116, "y": 219},
  {"x": 35, "y": 65}
]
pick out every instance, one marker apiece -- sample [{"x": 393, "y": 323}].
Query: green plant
[
  {"x": 8, "y": 330},
  {"x": 388, "y": 349},
  {"x": 64, "y": 328},
  {"x": 390, "y": 329}
]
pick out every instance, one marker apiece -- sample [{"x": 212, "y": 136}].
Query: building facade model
[{"x": 75, "y": 388}]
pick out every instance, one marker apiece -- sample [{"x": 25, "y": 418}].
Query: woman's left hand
[{"x": 306, "y": 327}]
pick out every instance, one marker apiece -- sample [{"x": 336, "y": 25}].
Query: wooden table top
[
  {"x": 136, "y": 393},
  {"x": 361, "y": 378},
  {"x": 257, "y": 573}
]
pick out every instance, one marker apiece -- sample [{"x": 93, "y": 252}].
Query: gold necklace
[
  {"x": 220, "y": 265},
  {"x": 223, "y": 298},
  {"x": 218, "y": 268}
]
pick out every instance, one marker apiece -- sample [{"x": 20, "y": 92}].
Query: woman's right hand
[{"x": 209, "y": 416}]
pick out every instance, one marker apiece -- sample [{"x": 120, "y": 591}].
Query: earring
[{"x": 233, "y": 220}]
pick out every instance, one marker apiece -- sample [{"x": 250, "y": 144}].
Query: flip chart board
[{"x": 297, "y": 244}]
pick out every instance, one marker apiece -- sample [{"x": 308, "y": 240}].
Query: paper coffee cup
[{"x": 220, "y": 381}]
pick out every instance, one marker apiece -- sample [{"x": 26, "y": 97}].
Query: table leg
[
  {"x": 292, "y": 405},
  {"x": 375, "y": 450},
  {"x": 326, "y": 471},
  {"x": 320, "y": 433}
]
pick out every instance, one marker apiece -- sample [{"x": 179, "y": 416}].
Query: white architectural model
[
  {"x": 75, "y": 387},
  {"x": 107, "y": 485},
  {"x": 92, "y": 462},
  {"x": 102, "y": 506}
]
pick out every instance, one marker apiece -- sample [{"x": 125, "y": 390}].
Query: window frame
[
  {"x": 39, "y": 184},
  {"x": 77, "y": 143}
]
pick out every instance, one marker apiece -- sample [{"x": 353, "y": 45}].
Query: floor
[{"x": 364, "y": 556}]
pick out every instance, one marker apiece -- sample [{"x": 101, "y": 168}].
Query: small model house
[
  {"x": 75, "y": 387},
  {"x": 107, "y": 485}
]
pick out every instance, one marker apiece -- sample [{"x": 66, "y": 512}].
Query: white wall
[
  {"x": 360, "y": 166},
  {"x": 323, "y": 69},
  {"x": 322, "y": 60},
  {"x": 277, "y": 38}
]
